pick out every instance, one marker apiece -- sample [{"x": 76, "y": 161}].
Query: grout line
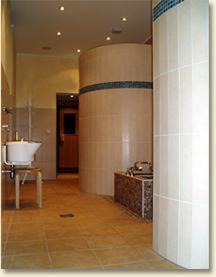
[
  {"x": 141, "y": 260},
  {"x": 48, "y": 252},
  {"x": 179, "y": 148},
  {"x": 179, "y": 68},
  {"x": 25, "y": 254},
  {"x": 8, "y": 232},
  {"x": 177, "y": 134},
  {"x": 98, "y": 260},
  {"x": 24, "y": 241},
  {"x": 182, "y": 201}
]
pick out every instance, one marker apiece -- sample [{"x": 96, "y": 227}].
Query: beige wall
[
  {"x": 115, "y": 124},
  {"x": 39, "y": 78},
  {"x": 7, "y": 45},
  {"x": 7, "y": 91},
  {"x": 117, "y": 62},
  {"x": 181, "y": 134}
]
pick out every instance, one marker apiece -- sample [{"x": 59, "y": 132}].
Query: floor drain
[{"x": 66, "y": 215}]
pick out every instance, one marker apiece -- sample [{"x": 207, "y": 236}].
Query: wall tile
[
  {"x": 173, "y": 102},
  {"x": 111, "y": 138},
  {"x": 184, "y": 31},
  {"x": 163, "y": 227},
  {"x": 185, "y": 235},
  {"x": 200, "y": 96},
  {"x": 163, "y": 54},
  {"x": 156, "y": 48},
  {"x": 43, "y": 129},
  {"x": 200, "y": 249},
  {"x": 155, "y": 222},
  {"x": 185, "y": 98},
  {"x": 126, "y": 154},
  {"x": 164, "y": 104},
  {"x": 155, "y": 2},
  {"x": 200, "y": 30},
  {"x": 133, "y": 153},
  {"x": 200, "y": 169},
  {"x": 156, "y": 107},
  {"x": 156, "y": 164},
  {"x": 144, "y": 133},
  {"x": 163, "y": 166},
  {"x": 182, "y": 146},
  {"x": 147, "y": 65},
  {"x": 172, "y": 36},
  {"x": 173, "y": 166},
  {"x": 144, "y": 151},
  {"x": 172, "y": 232},
  {"x": 185, "y": 167}
]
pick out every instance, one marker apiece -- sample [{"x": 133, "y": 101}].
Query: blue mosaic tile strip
[
  {"x": 163, "y": 6},
  {"x": 118, "y": 84}
]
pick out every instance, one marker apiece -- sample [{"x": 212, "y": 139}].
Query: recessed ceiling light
[
  {"x": 58, "y": 33},
  {"x": 61, "y": 8},
  {"x": 71, "y": 96},
  {"x": 78, "y": 50},
  {"x": 123, "y": 19},
  {"x": 108, "y": 38}
]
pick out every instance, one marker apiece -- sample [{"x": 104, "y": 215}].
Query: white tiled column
[{"x": 181, "y": 134}]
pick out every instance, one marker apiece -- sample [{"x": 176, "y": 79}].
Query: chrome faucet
[
  {"x": 5, "y": 127},
  {"x": 137, "y": 167},
  {"x": 10, "y": 170}
]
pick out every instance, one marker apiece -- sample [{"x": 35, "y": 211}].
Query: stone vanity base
[{"x": 134, "y": 193}]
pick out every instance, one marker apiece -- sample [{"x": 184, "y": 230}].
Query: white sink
[{"x": 19, "y": 152}]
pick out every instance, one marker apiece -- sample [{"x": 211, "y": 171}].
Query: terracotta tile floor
[{"x": 101, "y": 235}]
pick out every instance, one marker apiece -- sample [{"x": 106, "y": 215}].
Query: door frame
[{"x": 64, "y": 100}]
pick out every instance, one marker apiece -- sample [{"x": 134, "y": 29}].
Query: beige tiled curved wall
[
  {"x": 115, "y": 124},
  {"x": 181, "y": 134}
]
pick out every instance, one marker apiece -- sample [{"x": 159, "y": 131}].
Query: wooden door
[{"x": 68, "y": 140}]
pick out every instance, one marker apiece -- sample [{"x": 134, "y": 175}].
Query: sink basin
[{"x": 19, "y": 152}]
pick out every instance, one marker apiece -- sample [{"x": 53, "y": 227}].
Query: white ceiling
[{"x": 83, "y": 24}]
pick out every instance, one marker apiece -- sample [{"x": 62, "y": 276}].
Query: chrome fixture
[
  {"x": 10, "y": 170},
  {"x": 6, "y": 110},
  {"x": 5, "y": 127},
  {"x": 137, "y": 165},
  {"x": 137, "y": 169}
]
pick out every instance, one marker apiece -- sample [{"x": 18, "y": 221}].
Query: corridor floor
[{"x": 101, "y": 235}]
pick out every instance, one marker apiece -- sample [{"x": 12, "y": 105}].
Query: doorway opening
[{"x": 67, "y": 133}]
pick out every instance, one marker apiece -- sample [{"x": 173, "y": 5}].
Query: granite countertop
[{"x": 137, "y": 177}]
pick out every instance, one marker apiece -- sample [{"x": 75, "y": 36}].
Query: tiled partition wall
[
  {"x": 181, "y": 132},
  {"x": 42, "y": 122},
  {"x": 115, "y": 113},
  {"x": 38, "y": 79}
]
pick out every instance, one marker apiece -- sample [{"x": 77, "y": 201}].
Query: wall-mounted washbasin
[{"x": 19, "y": 152}]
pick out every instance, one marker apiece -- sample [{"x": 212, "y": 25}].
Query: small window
[{"x": 70, "y": 123}]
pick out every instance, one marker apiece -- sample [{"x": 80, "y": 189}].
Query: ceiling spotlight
[
  {"x": 108, "y": 38},
  {"x": 78, "y": 50},
  {"x": 61, "y": 8},
  {"x": 124, "y": 19},
  {"x": 71, "y": 96},
  {"x": 58, "y": 33}
]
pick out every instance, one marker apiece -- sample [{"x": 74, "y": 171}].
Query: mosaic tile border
[
  {"x": 118, "y": 84},
  {"x": 164, "y": 6}
]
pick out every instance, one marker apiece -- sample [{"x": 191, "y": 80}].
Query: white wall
[{"x": 181, "y": 134}]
